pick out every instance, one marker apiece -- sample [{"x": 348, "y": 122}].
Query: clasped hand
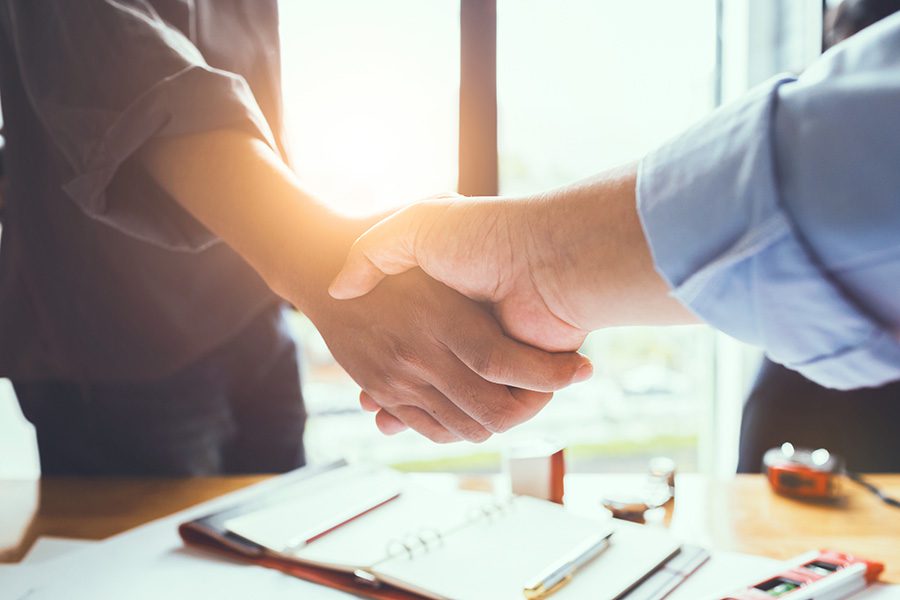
[
  {"x": 485, "y": 250},
  {"x": 550, "y": 267}
]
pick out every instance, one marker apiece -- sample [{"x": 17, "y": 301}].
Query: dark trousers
[
  {"x": 237, "y": 410},
  {"x": 862, "y": 426}
]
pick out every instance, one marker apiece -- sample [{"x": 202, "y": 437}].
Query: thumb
[{"x": 385, "y": 249}]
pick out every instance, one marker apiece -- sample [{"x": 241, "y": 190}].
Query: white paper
[
  {"x": 151, "y": 562},
  {"x": 16, "y": 581},
  {"x": 880, "y": 591},
  {"x": 313, "y": 506},
  {"x": 49, "y": 548}
]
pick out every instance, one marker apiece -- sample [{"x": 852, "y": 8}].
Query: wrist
[
  {"x": 309, "y": 256},
  {"x": 609, "y": 277},
  {"x": 590, "y": 257}
]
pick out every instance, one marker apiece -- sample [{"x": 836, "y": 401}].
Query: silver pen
[{"x": 561, "y": 573}]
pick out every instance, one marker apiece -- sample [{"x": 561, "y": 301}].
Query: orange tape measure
[
  {"x": 803, "y": 473},
  {"x": 812, "y": 474}
]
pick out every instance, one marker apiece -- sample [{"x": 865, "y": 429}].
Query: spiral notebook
[{"x": 375, "y": 532}]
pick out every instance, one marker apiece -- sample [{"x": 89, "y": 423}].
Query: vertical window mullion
[{"x": 478, "y": 164}]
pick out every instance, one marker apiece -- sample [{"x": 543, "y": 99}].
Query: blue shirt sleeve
[{"x": 777, "y": 220}]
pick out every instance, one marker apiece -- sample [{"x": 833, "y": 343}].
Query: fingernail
[
  {"x": 334, "y": 290},
  {"x": 583, "y": 373}
]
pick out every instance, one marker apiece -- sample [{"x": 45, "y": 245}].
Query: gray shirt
[{"x": 103, "y": 276}]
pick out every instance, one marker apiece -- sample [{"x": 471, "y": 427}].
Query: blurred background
[{"x": 390, "y": 101}]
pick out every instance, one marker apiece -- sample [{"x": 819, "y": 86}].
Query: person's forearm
[
  {"x": 240, "y": 189},
  {"x": 600, "y": 256},
  {"x": 423, "y": 355},
  {"x": 555, "y": 265}
]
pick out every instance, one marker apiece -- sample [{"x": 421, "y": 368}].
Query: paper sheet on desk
[
  {"x": 17, "y": 580},
  {"x": 49, "y": 548},
  {"x": 151, "y": 562},
  {"x": 175, "y": 573},
  {"x": 879, "y": 591}
]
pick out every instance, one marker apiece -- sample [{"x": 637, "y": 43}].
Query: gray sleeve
[{"x": 106, "y": 76}]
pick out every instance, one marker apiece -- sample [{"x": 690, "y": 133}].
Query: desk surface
[{"x": 740, "y": 515}]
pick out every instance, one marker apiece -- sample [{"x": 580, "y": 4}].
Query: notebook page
[
  {"x": 364, "y": 541},
  {"x": 496, "y": 558},
  {"x": 418, "y": 511},
  {"x": 300, "y": 512}
]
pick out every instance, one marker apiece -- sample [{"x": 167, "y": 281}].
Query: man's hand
[
  {"x": 485, "y": 248},
  {"x": 553, "y": 266},
  {"x": 439, "y": 362}
]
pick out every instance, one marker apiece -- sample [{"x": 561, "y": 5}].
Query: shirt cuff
[
  {"x": 196, "y": 99},
  {"x": 708, "y": 203}
]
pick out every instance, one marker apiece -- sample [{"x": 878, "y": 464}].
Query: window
[
  {"x": 371, "y": 96},
  {"x": 371, "y": 93},
  {"x": 586, "y": 85},
  {"x": 582, "y": 86}
]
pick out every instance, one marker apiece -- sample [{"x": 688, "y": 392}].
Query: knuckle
[
  {"x": 394, "y": 386},
  {"x": 441, "y": 436},
  {"x": 492, "y": 418},
  {"x": 490, "y": 414},
  {"x": 465, "y": 396},
  {"x": 405, "y": 355},
  {"x": 498, "y": 422},
  {"x": 484, "y": 361},
  {"x": 476, "y": 434},
  {"x": 388, "y": 393}
]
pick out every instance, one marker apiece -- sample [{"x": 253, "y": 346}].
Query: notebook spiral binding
[{"x": 428, "y": 538}]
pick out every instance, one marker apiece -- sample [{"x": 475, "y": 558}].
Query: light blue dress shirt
[{"x": 777, "y": 219}]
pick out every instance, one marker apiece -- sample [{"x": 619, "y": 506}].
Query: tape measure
[
  {"x": 804, "y": 473},
  {"x": 812, "y": 474}
]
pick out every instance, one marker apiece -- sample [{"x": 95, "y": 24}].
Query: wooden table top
[{"x": 741, "y": 514}]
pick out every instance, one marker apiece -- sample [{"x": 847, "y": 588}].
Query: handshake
[{"x": 530, "y": 278}]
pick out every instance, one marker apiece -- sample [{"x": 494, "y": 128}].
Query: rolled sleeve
[
  {"x": 106, "y": 77},
  {"x": 710, "y": 206}
]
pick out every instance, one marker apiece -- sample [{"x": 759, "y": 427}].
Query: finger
[
  {"x": 438, "y": 406},
  {"x": 532, "y": 402},
  {"x": 416, "y": 419},
  {"x": 501, "y": 359},
  {"x": 387, "y": 423},
  {"x": 448, "y": 415},
  {"x": 385, "y": 249},
  {"x": 368, "y": 403},
  {"x": 492, "y": 405},
  {"x": 357, "y": 277}
]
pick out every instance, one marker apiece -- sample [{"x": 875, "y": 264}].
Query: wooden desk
[{"x": 740, "y": 515}]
